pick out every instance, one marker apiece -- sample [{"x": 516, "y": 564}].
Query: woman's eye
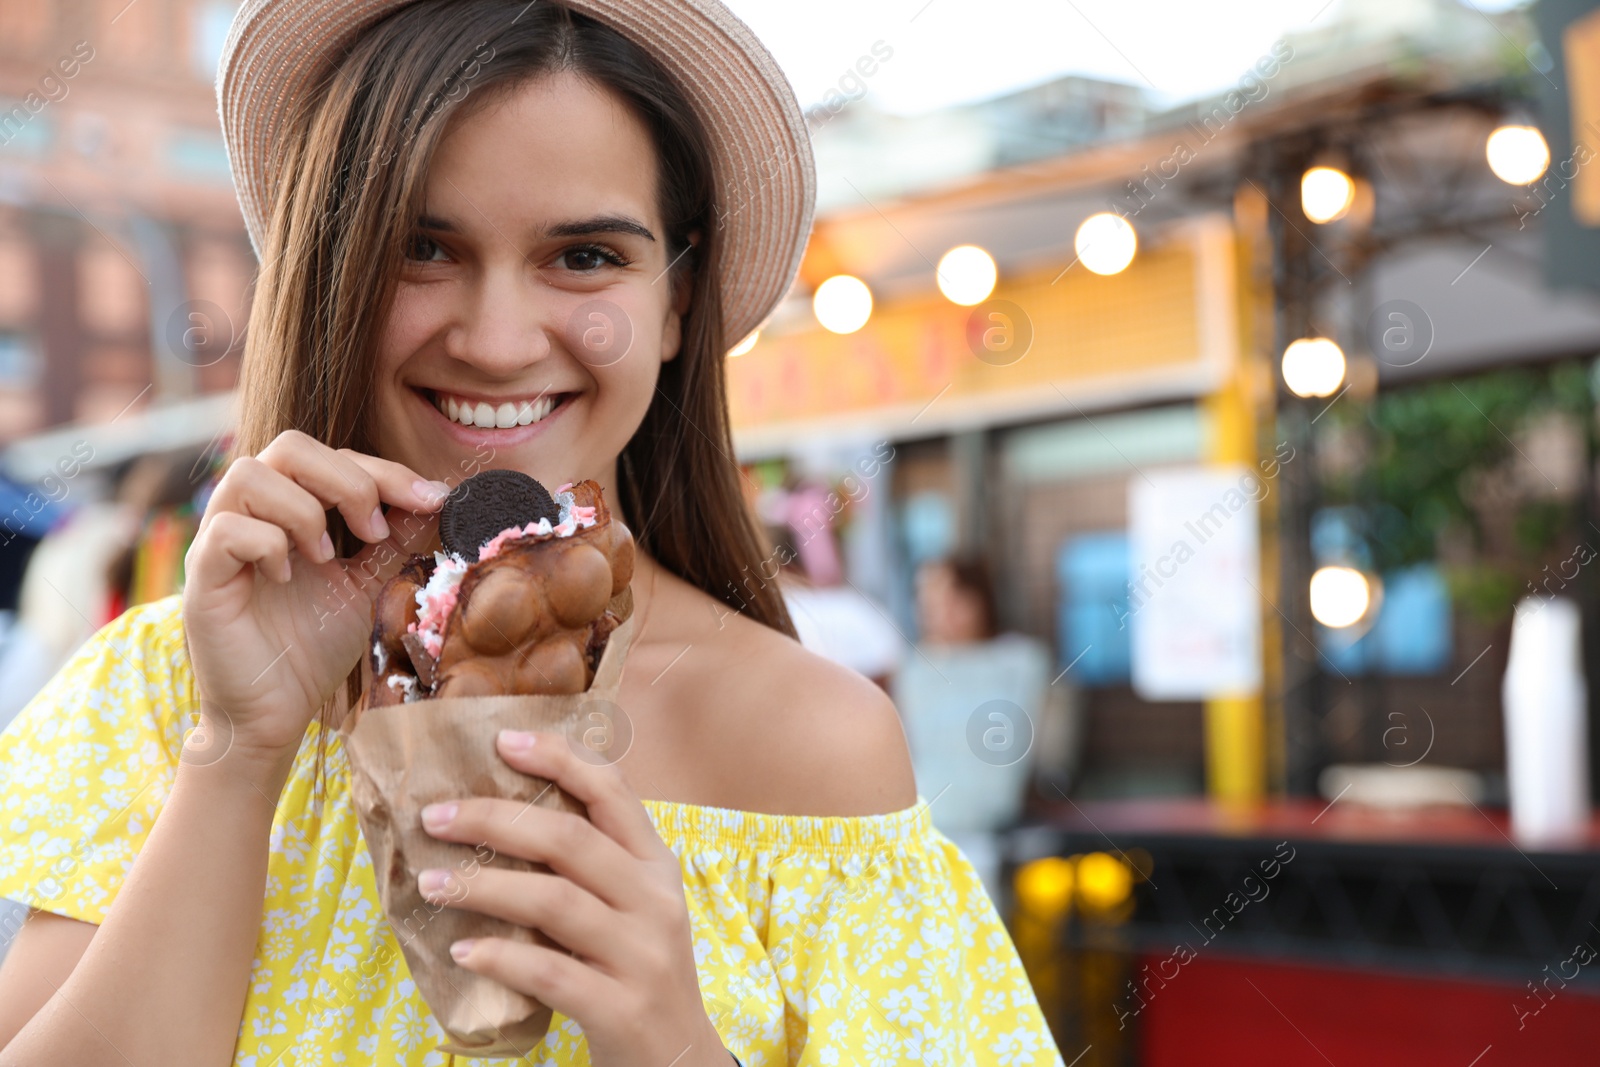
[
  {"x": 423, "y": 249},
  {"x": 586, "y": 259}
]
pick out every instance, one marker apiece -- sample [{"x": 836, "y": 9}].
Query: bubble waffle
[{"x": 526, "y": 611}]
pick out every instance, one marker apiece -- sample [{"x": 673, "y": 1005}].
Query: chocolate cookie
[
  {"x": 535, "y": 618},
  {"x": 489, "y": 502}
]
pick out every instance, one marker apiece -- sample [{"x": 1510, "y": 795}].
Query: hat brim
[{"x": 761, "y": 152}]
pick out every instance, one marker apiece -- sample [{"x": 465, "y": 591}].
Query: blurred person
[
  {"x": 835, "y": 620},
  {"x": 65, "y": 597},
  {"x": 27, "y": 515},
  {"x": 955, "y": 603},
  {"x": 809, "y": 518},
  {"x": 972, "y": 700},
  {"x": 170, "y": 492},
  {"x": 102, "y": 557}
]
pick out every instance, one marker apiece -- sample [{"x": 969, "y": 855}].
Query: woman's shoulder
[
  {"x": 86, "y": 765},
  {"x": 139, "y": 655},
  {"x": 133, "y": 672},
  {"x": 780, "y": 729},
  {"x": 155, "y": 620}
]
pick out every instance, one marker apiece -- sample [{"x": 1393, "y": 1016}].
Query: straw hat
[{"x": 761, "y": 153}]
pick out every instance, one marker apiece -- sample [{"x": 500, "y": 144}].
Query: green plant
[{"x": 1436, "y": 455}]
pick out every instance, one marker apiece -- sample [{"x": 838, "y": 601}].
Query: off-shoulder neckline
[
  {"x": 707, "y": 825},
  {"x": 735, "y": 828}
]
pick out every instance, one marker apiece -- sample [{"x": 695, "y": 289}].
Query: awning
[{"x": 192, "y": 423}]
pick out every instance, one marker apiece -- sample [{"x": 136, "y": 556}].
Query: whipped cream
[
  {"x": 406, "y": 684},
  {"x": 437, "y": 599}
]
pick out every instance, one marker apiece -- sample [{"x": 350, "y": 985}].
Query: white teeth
[{"x": 505, "y": 416}]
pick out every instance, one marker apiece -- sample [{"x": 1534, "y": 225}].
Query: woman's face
[
  {"x": 947, "y": 614},
  {"x": 535, "y": 307}
]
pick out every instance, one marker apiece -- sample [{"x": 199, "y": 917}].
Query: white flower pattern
[{"x": 820, "y": 941}]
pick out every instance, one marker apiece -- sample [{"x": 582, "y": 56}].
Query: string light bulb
[
  {"x": 842, "y": 304},
  {"x": 1340, "y": 596},
  {"x": 967, "y": 275},
  {"x": 1518, "y": 155},
  {"x": 1313, "y": 366},
  {"x": 1106, "y": 243},
  {"x": 1326, "y": 194}
]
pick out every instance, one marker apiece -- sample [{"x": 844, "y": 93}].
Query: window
[
  {"x": 23, "y": 132},
  {"x": 211, "y": 20},
  {"x": 198, "y": 154},
  {"x": 19, "y": 363},
  {"x": 1092, "y": 627}
]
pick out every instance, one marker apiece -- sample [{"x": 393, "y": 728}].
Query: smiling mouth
[{"x": 503, "y": 415}]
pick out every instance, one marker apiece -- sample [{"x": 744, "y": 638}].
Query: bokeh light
[
  {"x": 746, "y": 345},
  {"x": 843, "y": 304},
  {"x": 1105, "y": 243},
  {"x": 1313, "y": 366},
  {"x": 967, "y": 275},
  {"x": 1044, "y": 886},
  {"x": 1104, "y": 881},
  {"x": 1518, "y": 155},
  {"x": 1326, "y": 194},
  {"x": 1340, "y": 596}
]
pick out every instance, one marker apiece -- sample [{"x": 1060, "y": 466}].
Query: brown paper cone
[{"x": 406, "y": 756}]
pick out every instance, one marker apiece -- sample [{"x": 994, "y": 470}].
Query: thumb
[{"x": 410, "y": 533}]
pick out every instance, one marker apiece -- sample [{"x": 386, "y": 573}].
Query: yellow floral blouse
[{"x": 820, "y": 941}]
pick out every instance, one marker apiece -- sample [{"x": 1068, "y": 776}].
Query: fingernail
[
  {"x": 438, "y": 816},
  {"x": 516, "y": 740},
  {"x": 462, "y": 949},
  {"x": 327, "y": 547},
  {"x": 380, "y": 526},
  {"x": 430, "y": 493},
  {"x": 433, "y": 881}
]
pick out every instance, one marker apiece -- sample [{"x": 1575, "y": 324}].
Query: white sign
[{"x": 1194, "y": 608}]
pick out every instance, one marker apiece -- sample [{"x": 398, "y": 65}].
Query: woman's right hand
[{"x": 272, "y": 633}]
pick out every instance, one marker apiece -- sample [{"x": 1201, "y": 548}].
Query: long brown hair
[{"x": 352, "y": 168}]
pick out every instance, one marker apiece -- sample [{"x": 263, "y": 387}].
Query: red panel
[{"x": 1228, "y": 1013}]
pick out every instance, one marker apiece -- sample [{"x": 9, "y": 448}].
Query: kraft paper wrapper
[{"x": 406, "y": 756}]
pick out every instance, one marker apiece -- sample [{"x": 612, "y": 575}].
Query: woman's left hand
[{"x": 615, "y": 902}]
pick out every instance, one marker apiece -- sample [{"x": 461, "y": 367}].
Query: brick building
[{"x": 124, "y": 265}]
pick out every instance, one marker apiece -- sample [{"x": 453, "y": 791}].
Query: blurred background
[{"x": 1189, "y": 413}]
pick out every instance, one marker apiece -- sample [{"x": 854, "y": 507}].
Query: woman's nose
[{"x": 502, "y": 326}]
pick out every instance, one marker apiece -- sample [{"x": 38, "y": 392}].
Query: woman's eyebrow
[
  {"x": 600, "y": 224},
  {"x": 574, "y": 228},
  {"x": 433, "y": 222}
]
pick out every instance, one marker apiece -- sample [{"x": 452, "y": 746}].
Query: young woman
[{"x": 449, "y": 198}]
